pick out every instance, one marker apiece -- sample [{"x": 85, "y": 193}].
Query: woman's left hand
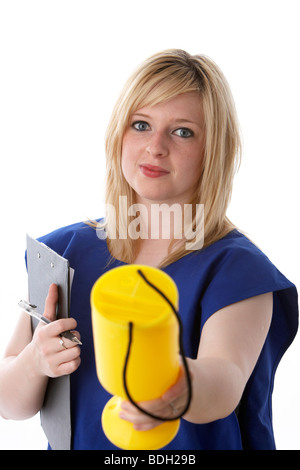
[{"x": 169, "y": 405}]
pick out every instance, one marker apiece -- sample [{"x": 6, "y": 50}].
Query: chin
[{"x": 155, "y": 197}]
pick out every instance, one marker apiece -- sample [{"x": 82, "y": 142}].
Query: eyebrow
[{"x": 178, "y": 120}]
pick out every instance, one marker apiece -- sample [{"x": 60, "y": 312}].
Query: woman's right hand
[{"x": 52, "y": 358}]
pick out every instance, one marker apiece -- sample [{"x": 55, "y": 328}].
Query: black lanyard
[{"x": 184, "y": 361}]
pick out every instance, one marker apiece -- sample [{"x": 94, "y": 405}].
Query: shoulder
[
  {"x": 236, "y": 254},
  {"x": 237, "y": 257},
  {"x": 228, "y": 271},
  {"x": 74, "y": 235},
  {"x": 236, "y": 270},
  {"x": 235, "y": 243},
  {"x": 234, "y": 259}
]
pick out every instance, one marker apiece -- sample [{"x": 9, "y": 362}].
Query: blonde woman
[{"x": 172, "y": 144}]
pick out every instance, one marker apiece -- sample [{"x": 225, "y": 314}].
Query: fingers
[
  {"x": 140, "y": 421},
  {"x": 171, "y": 404},
  {"x": 157, "y": 407},
  {"x": 55, "y": 355},
  {"x": 179, "y": 389},
  {"x": 57, "y": 326},
  {"x": 143, "y": 422},
  {"x": 50, "y": 304},
  {"x": 69, "y": 359}
]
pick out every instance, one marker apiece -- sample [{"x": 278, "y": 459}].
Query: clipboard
[{"x": 45, "y": 267}]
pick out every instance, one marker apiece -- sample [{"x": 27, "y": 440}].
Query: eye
[
  {"x": 140, "y": 126},
  {"x": 184, "y": 132}
]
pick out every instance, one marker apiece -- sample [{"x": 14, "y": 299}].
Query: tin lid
[{"x": 123, "y": 295}]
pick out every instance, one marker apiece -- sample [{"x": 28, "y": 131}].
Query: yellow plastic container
[{"x": 118, "y": 297}]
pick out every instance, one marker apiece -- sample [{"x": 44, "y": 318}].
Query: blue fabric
[{"x": 228, "y": 271}]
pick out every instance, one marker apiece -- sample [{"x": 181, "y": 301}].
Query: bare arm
[
  {"x": 30, "y": 360},
  {"x": 230, "y": 345}
]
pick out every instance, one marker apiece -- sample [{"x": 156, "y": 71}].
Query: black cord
[{"x": 185, "y": 365}]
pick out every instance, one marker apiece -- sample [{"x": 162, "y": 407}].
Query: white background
[{"x": 63, "y": 63}]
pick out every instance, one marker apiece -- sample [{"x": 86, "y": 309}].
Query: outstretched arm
[{"x": 230, "y": 345}]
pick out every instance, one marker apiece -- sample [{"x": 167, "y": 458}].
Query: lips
[{"x": 153, "y": 171}]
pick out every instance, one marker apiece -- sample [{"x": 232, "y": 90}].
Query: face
[{"x": 162, "y": 151}]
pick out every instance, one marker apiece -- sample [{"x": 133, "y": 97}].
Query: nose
[{"x": 158, "y": 145}]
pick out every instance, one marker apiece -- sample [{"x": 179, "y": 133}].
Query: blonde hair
[{"x": 160, "y": 78}]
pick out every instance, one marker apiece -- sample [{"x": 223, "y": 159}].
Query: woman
[{"x": 173, "y": 140}]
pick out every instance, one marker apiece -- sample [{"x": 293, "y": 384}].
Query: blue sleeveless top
[{"x": 228, "y": 271}]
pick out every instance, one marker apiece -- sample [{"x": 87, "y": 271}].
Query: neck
[{"x": 155, "y": 221}]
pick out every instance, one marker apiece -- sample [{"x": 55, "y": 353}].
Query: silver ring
[
  {"x": 175, "y": 411},
  {"x": 61, "y": 341}
]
